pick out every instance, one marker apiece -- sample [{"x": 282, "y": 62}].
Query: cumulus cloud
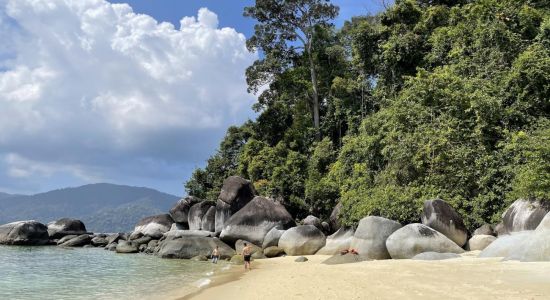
[{"x": 92, "y": 89}]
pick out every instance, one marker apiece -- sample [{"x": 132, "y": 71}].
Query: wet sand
[{"x": 468, "y": 277}]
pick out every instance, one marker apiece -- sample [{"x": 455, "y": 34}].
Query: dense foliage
[{"x": 428, "y": 99}]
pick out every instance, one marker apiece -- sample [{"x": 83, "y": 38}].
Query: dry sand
[{"x": 463, "y": 278}]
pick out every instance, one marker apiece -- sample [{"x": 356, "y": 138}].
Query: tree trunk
[{"x": 315, "y": 94}]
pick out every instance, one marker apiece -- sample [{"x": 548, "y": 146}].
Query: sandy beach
[{"x": 463, "y": 278}]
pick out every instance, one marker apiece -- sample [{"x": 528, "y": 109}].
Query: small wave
[{"x": 203, "y": 282}]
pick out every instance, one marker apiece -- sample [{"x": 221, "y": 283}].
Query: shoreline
[{"x": 467, "y": 277}]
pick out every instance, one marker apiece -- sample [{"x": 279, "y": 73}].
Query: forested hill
[
  {"x": 427, "y": 99},
  {"x": 102, "y": 207}
]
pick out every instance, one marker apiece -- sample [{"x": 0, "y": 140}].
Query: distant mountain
[{"x": 102, "y": 207}]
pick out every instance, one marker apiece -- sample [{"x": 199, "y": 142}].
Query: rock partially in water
[
  {"x": 28, "y": 233},
  {"x": 369, "y": 239},
  {"x": 435, "y": 256},
  {"x": 199, "y": 258},
  {"x": 65, "y": 239},
  {"x": 142, "y": 240},
  {"x": 192, "y": 246},
  {"x": 79, "y": 241},
  {"x": 111, "y": 246},
  {"x": 113, "y": 238},
  {"x": 349, "y": 258},
  {"x": 480, "y": 242},
  {"x": 154, "y": 226},
  {"x": 66, "y": 226},
  {"x": 302, "y": 240},
  {"x": 127, "y": 247},
  {"x": 236, "y": 192},
  {"x": 337, "y": 242},
  {"x": 99, "y": 241},
  {"x": 442, "y": 217},
  {"x": 416, "y": 238},
  {"x": 524, "y": 215}
]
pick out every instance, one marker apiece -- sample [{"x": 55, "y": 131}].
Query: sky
[{"x": 136, "y": 92}]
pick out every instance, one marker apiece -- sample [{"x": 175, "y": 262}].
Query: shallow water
[{"x": 67, "y": 273}]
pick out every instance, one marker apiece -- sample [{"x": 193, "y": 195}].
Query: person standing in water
[
  {"x": 246, "y": 255},
  {"x": 215, "y": 255}
]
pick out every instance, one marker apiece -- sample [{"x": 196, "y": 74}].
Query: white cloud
[{"x": 93, "y": 84}]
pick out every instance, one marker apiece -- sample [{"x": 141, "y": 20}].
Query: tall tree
[{"x": 281, "y": 26}]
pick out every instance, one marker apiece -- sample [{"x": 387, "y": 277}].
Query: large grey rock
[
  {"x": 196, "y": 214},
  {"x": 192, "y": 246},
  {"x": 440, "y": 216},
  {"x": 24, "y": 233},
  {"x": 370, "y": 237},
  {"x": 500, "y": 229},
  {"x": 239, "y": 246},
  {"x": 435, "y": 256},
  {"x": 65, "y": 239},
  {"x": 416, "y": 238},
  {"x": 111, "y": 246},
  {"x": 66, "y": 226},
  {"x": 334, "y": 219},
  {"x": 273, "y": 251},
  {"x": 99, "y": 241},
  {"x": 485, "y": 229},
  {"x": 273, "y": 236},
  {"x": 79, "y": 241},
  {"x": 126, "y": 247},
  {"x": 339, "y": 259},
  {"x": 179, "y": 226},
  {"x": 176, "y": 234},
  {"x": 235, "y": 194},
  {"x": 544, "y": 224},
  {"x": 480, "y": 242},
  {"x": 113, "y": 238},
  {"x": 255, "y": 220},
  {"x": 180, "y": 211},
  {"x": 302, "y": 240},
  {"x": 338, "y": 241},
  {"x": 524, "y": 215},
  {"x": 154, "y": 226},
  {"x": 142, "y": 240},
  {"x": 208, "y": 222},
  {"x": 506, "y": 245},
  {"x": 313, "y": 220}
]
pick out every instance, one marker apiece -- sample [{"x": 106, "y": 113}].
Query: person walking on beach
[
  {"x": 246, "y": 255},
  {"x": 215, "y": 255}
]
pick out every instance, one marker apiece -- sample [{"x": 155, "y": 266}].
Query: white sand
[{"x": 464, "y": 278}]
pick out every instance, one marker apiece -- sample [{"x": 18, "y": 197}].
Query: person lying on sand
[
  {"x": 246, "y": 255},
  {"x": 350, "y": 250}
]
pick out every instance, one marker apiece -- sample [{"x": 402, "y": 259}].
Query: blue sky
[{"x": 91, "y": 92}]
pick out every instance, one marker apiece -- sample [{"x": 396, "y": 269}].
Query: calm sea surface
[{"x": 61, "y": 273}]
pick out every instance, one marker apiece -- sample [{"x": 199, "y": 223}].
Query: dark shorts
[{"x": 247, "y": 258}]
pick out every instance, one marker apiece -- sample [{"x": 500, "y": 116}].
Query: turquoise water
[{"x": 59, "y": 273}]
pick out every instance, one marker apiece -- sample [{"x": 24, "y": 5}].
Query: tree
[{"x": 280, "y": 25}]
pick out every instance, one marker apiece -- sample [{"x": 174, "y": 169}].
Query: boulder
[
  {"x": 535, "y": 248},
  {"x": 142, "y": 240},
  {"x": 259, "y": 255},
  {"x": 369, "y": 239},
  {"x": 544, "y": 224},
  {"x": 180, "y": 211},
  {"x": 239, "y": 246},
  {"x": 435, "y": 256},
  {"x": 273, "y": 251},
  {"x": 236, "y": 192},
  {"x": 414, "y": 239},
  {"x": 339, "y": 259},
  {"x": 313, "y": 220},
  {"x": 196, "y": 214},
  {"x": 208, "y": 222},
  {"x": 113, "y": 238},
  {"x": 99, "y": 241},
  {"x": 142, "y": 247},
  {"x": 65, "y": 238},
  {"x": 24, "y": 233},
  {"x": 524, "y": 215},
  {"x": 273, "y": 236},
  {"x": 500, "y": 229},
  {"x": 302, "y": 240},
  {"x": 192, "y": 246},
  {"x": 442, "y": 217},
  {"x": 79, "y": 241},
  {"x": 326, "y": 227},
  {"x": 127, "y": 247},
  {"x": 334, "y": 219},
  {"x": 151, "y": 246},
  {"x": 255, "y": 220},
  {"x": 301, "y": 259},
  {"x": 485, "y": 229},
  {"x": 179, "y": 226},
  {"x": 506, "y": 245},
  {"x": 154, "y": 226},
  {"x": 480, "y": 242},
  {"x": 338, "y": 241},
  {"x": 66, "y": 226},
  {"x": 176, "y": 234},
  {"x": 111, "y": 246}
]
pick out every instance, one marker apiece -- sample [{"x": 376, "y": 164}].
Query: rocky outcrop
[
  {"x": 235, "y": 194},
  {"x": 440, "y": 216},
  {"x": 255, "y": 220},
  {"x": 416, "y": 238},
  {"x": 66, "y": 226},
  {"x": 24, "y": 233},
  {"x": 339, "y": 259},
  {"x": 480, "y": 242},
  {"x": 99, "y": 241},
  {"x": 179, "y": 226},
  {"x": 154, "y": 226},
  {"x": 175, "y": 234},
  {"x": 79, "y": 241},
  {"x": 485, "y": 229},
  {"x": 273, "y": 236},
  {"x": 196, "y": 214},
  {"x": 338, "y": 241},
  {"x": 65, "y": 239},
  {"x": 273, "y": 251},
  {"x": 435, "y": 256},
  {"x": 192, "y": 246},
  {"x": 113, "y": 238},
  {"x": 506, "y": 245},
  {"x": 334, "y": 219},
  {"x": 302, "y": 240},
  {"x": 370, "y": 237},
  {"x": 313, "y": 220},
  {"x": 524, "y": 215},
  {"x": 180, "y": 211},
  {"x": 208, "y": 222},
  {"x": 127, "y": 247}
]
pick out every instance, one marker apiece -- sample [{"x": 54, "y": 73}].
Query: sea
[{"x": 51, "y": 272}]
